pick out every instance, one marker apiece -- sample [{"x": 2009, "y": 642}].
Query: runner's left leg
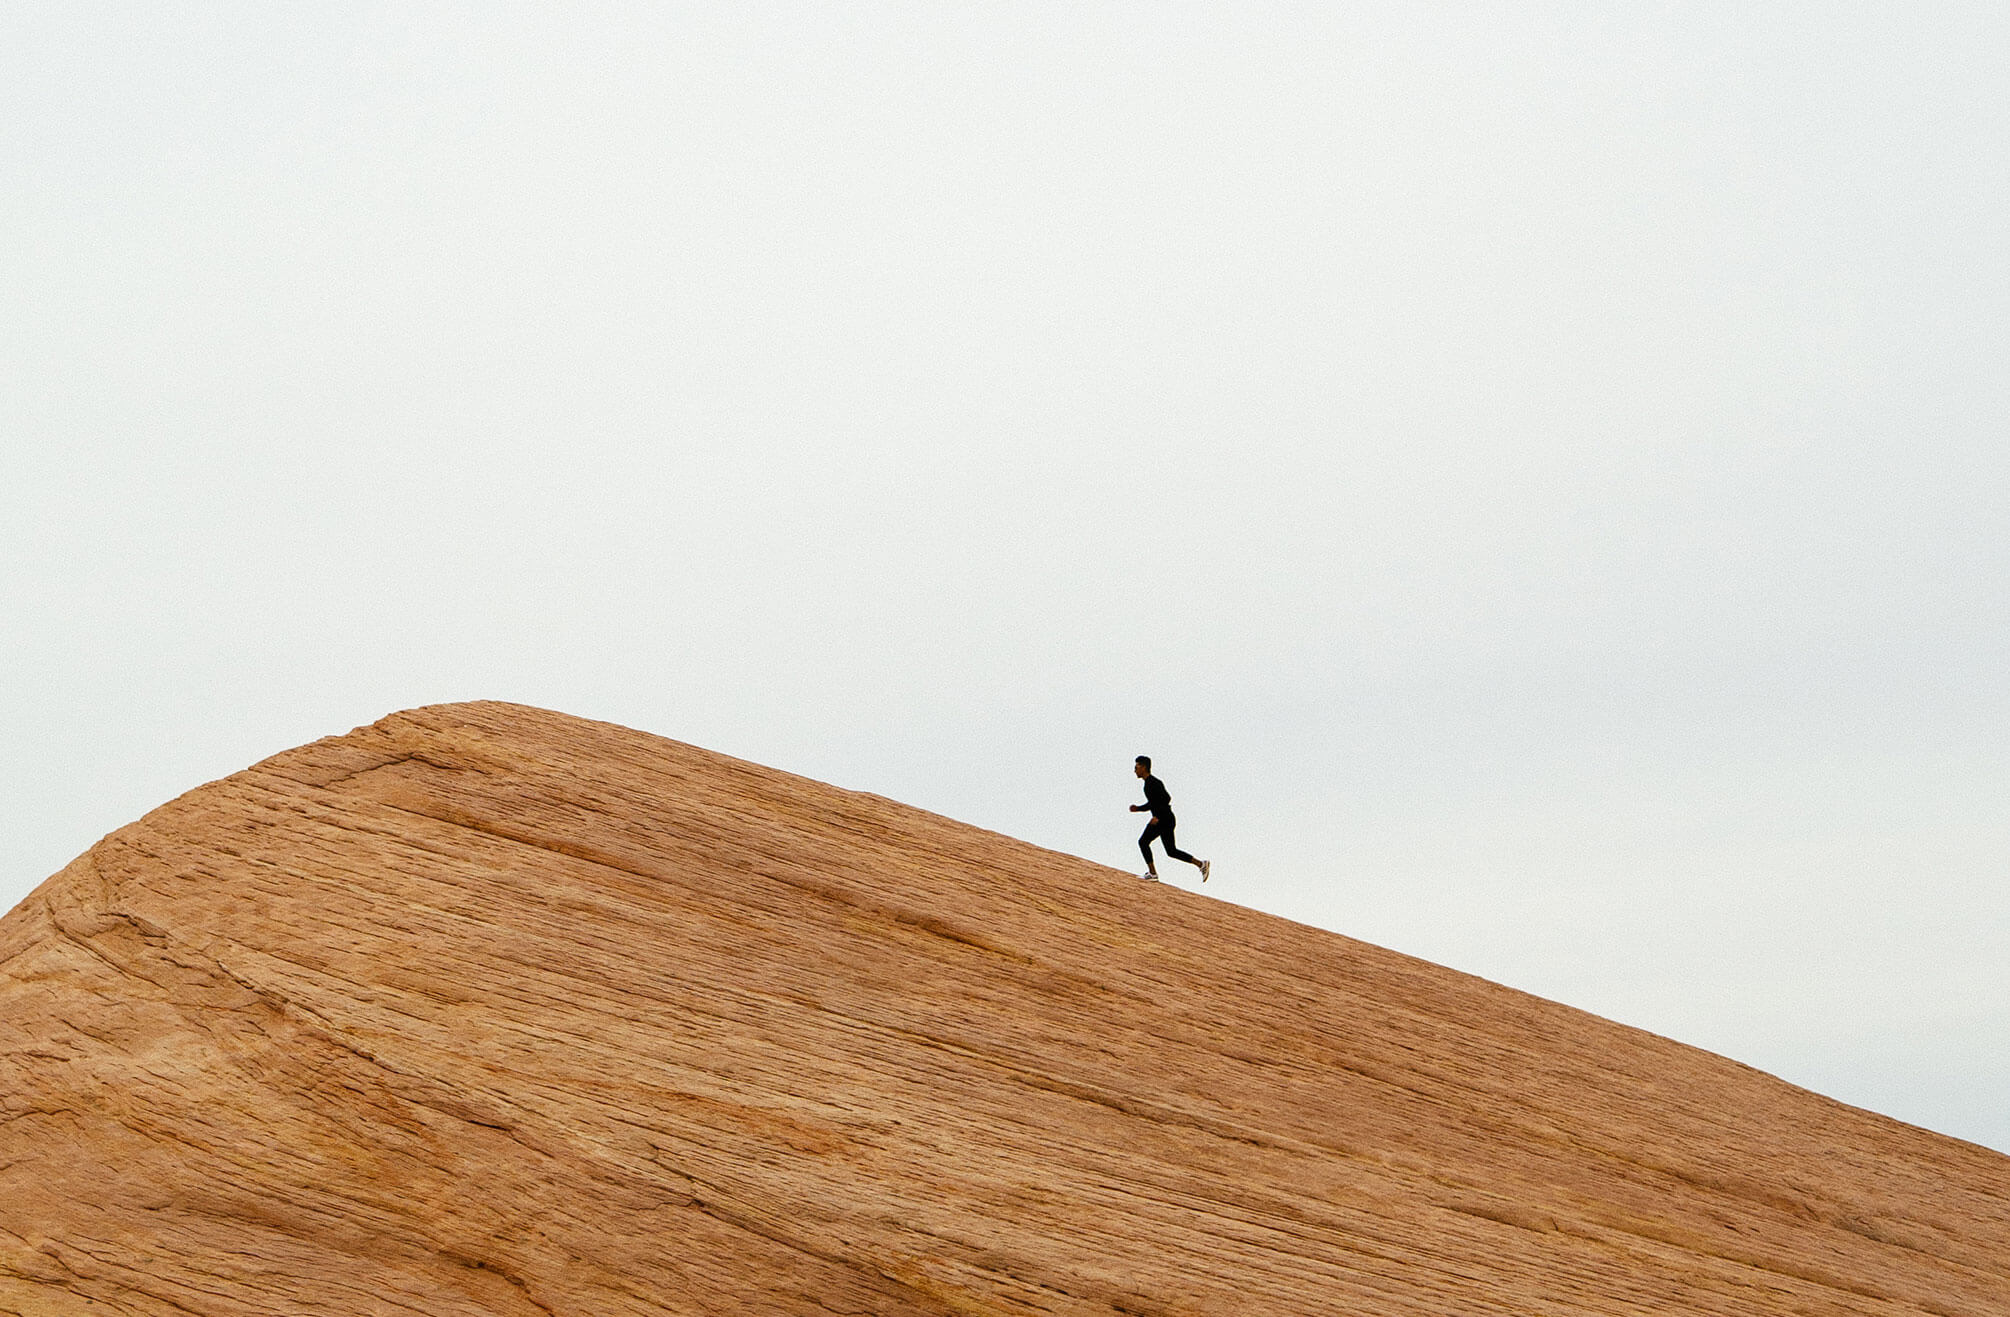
[{"x": 1145, "y": 843}]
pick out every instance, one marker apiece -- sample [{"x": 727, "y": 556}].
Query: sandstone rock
[{"x": 485, "y": 1009}]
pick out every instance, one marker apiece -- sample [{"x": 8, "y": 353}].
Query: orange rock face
[{"x": 487, "y": 1010}]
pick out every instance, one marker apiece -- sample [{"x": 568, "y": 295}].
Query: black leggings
[{"x": 1162, "y": 829}]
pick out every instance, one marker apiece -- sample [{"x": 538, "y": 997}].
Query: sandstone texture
[{"x": 489, "y": 1010}]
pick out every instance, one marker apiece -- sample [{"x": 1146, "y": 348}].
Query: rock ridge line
[{"x": 484, "y": 1009}]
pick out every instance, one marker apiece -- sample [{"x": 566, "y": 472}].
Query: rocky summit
[{"x": 489, "y": 1010}]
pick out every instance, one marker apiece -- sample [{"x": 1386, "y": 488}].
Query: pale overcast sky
[{"x": 1532, "y": 475}]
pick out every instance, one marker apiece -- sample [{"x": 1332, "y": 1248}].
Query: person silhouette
[{"x": 1159, "y": 801}]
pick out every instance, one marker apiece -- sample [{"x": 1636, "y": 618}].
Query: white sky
[{"x": 1533, "y": 476}]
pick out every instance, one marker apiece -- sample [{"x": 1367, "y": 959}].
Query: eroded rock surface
[{"x": 488, "y": 1010}]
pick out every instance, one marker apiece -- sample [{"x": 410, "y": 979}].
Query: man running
[{"x": 1159, "y": 801}]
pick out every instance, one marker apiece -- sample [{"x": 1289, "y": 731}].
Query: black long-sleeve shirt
[{"x": 1158, "y": 799}]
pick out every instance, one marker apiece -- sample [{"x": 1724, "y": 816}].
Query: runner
[{"x": 1159, "y": 801}]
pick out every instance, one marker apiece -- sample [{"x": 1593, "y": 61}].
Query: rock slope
[{"x": 488, "y": 1010}]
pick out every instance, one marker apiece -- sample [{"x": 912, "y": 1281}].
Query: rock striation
[{"x": 488, "y": 1010}]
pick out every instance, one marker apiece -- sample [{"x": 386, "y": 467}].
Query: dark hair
[{"x": 1146, "y": 760}]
